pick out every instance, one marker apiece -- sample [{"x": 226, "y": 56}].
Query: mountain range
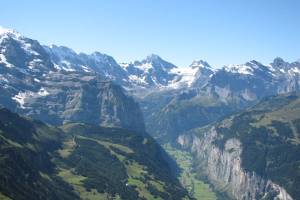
[
  {"x": 152, "y": 72},
  {"x": 228, "y": 119}
]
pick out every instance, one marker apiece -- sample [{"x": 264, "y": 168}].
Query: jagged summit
[
  {"x": 239, "y": 68},
  {"x": 200, "y": 63},
  {"x": 278, "y": 62},
  {"x": 61, "y": 52},
  {"x": 252, "y": 67},
  {"x": 153, "y": 57},
  {"x": 9, "y": 32},
  {"x": 62, "y": 49},
  {"x": 155, "y": 61},
  {"x": 254, "y": 63},
  {"x": 101, "y": 57},
  {"x": 22, "y": 54}
]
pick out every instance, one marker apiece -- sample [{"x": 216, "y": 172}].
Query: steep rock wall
[{"x": 223, "y": 168}]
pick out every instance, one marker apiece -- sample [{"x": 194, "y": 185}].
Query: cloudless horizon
[{"x": 219, "y": 32}]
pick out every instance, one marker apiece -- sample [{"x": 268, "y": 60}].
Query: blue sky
[{"x": 218, "y": 31}]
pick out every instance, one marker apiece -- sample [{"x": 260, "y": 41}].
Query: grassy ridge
[
  {"x": 139, "y": 170},
  {"x": 80, "y": 161}
]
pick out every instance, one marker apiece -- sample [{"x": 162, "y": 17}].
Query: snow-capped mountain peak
[
  {"x": 103, "y": 58},
  {"x": 66, "y": 59},
  {"x": 150, "y": 72},
  {"x": 61, "y": 52},
  {"x": 249, "y": 68},
  {"x": 156, "y": 62},
  {"x": 200, "y": 64},
  {"x": 22, "y": 54},
  {"x": 252, "y": 68},
  {"x": 281, "y": 67},
  {"x": 239, "y": 69},
  {"x": 254, "y": 64},
  {"x": 6, "y": 32}
]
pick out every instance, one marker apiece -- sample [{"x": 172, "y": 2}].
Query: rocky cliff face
[
  {"x": 60, "y": 98},
  {"x": 223, "y": 168}
]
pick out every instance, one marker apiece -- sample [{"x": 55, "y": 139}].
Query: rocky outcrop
[
  {"x": 58, "y": 98},
  {"x": 224, "y": 170}
]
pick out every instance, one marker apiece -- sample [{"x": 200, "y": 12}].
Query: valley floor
[{"x": 188, "y": 178}]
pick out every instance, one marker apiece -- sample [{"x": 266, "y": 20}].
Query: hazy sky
[{"x": 220, "y": 32}]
